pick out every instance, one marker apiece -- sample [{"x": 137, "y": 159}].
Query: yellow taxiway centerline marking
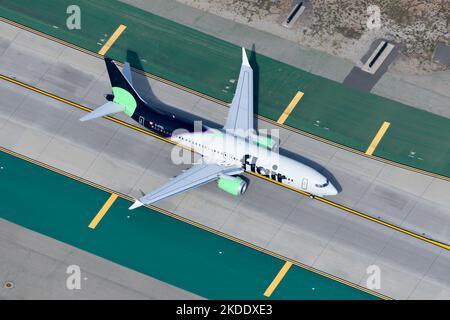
[
  {"x": 103, "y": 211},
  {"x": 290, "y": 107},
  {"x": 270, "y": 289},
  {"x": 346, "y": 209},
  {"x": 112, "y": 39},
  {"x": 377, "y": 138}
]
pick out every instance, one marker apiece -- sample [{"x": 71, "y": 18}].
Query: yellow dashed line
[
  {"x": 277, "y": 279},
  {"x": 377, "y": 138},
  {"x": 290, "y": 107},
  {"x": 112, "y": 39},
  {"x": 103, "y": 211}
]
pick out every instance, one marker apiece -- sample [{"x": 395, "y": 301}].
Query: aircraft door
[{"x": 304, "y": 184}]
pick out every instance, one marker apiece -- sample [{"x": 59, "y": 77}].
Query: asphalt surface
[{"x": 267, "y": 215}]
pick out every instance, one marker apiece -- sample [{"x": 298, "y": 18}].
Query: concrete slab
[
  {"x": 9, "y": 103},
  {"x": 80, "y": 60},
  {"x": 68, "y": 81},
  {"x": 405, "y": 180},
  {"x": 299, "y": 245},
  {"x": 438, "y": 271},
  {"x": 390, "y": 204},
  {"x": 66, "y": 156},
  {"x": 29, "y": 142},
  {"x": 395, "y": 282},
  {"x": 9, "y": 32},
  {"x": 434, "y": 220},
  {"x": 28, "y": 40},
  {"x": 37, "y": 112},
  {"x": 333, "y": 256},
  {"x": 438, "y": 192},
  {"x": 423, "y": 290},
  {"x": 17, "y": 62},
  {"x": 119, "y": 175}
]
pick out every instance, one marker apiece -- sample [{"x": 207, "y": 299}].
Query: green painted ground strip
[
  {"x": 150, "y": 242},
  {"x": 207, "y": 64}
]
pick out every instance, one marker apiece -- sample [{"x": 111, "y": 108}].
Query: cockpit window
[{"x": 322, "y": 185}]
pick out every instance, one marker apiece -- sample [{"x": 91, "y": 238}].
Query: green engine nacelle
[
  {"x": 265, "y": 141},
  {"x": 234, "y": 185}
]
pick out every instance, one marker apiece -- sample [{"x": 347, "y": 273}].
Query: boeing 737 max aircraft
[{"x": 226, "y": 153}]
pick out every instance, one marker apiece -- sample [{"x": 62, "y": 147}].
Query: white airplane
[{"x": 226, "y": 153}]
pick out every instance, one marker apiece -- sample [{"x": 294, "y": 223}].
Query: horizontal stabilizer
[{"x": 106, "y": 109}]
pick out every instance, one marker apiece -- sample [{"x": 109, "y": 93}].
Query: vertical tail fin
[
  {"x": 123, "y": 91},
  {"x": 124, "y": 97}
]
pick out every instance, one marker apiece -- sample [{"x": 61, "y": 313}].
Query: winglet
[
  {"x": 135, "y": 205},
  {"x": 244, "y": 58}
]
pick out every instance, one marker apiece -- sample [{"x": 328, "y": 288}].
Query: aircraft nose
[{"x": 331, "y": 190}]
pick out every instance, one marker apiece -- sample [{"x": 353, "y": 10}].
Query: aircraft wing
[
  {"x": 192, "y": 178},
  {"x": 240, "y": 116}
]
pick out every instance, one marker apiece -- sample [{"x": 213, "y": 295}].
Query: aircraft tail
[{"x": 124, "y": 97}]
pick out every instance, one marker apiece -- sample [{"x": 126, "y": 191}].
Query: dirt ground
[{"x": 339, "y": 27}]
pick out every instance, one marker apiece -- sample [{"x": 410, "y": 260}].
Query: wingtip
[
  {"x": 84, "y": 118},
  {"x": 135, "y": 205},
  {"x": 244, "y": 58}
]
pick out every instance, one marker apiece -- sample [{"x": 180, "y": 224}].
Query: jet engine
[{"x": 233, "y": 185}]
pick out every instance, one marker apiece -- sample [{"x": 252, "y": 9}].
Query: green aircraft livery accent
[
  {"x": 265, "y": 142},
  {"x": 126, "y": 99},
  {"x": 232, "y": 186}
]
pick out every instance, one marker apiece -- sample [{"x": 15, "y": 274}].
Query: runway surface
[{"x": 267, "y": 215}]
